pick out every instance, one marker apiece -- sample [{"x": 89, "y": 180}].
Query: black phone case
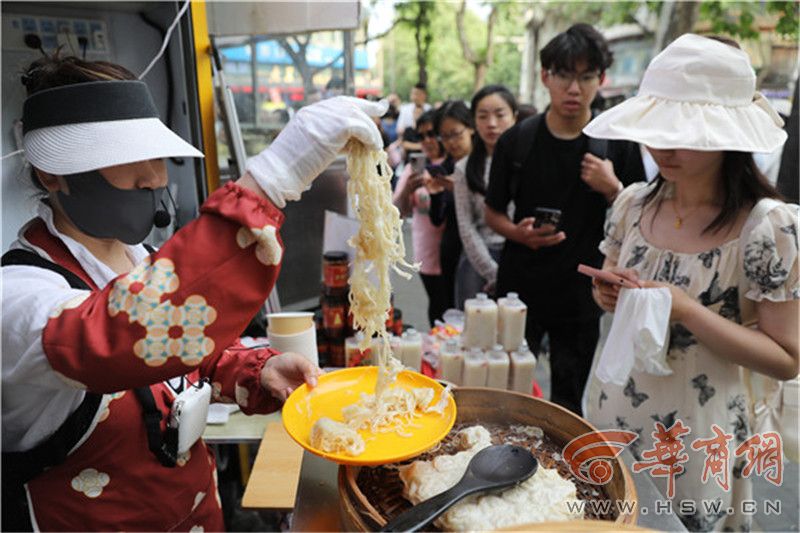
[{"x": 545, "y": 216}]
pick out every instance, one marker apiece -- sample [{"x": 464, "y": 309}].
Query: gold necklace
[{"x": 678, "y": 217}]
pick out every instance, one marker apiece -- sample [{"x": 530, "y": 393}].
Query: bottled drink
[
  {"x": 476, "y": 368},
  {"x": 497, "y": 375},
  {"x": 451, "y": 361},
  {"x": 511, "y": 316},
  {"x": 335, "y": 269},
  {"x": 353, "y": 355},
  {"x": 480, "y": 322},
  {"x": 523, "y": 367},
  {"x": 411, "y": 349}
]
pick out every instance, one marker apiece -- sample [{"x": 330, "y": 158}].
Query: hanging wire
[
  {"x": 166, "y": 39},
  {"x": 11, "y": 154}
]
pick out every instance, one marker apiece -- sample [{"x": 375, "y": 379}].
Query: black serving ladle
[{"x": 495, "y": 467}]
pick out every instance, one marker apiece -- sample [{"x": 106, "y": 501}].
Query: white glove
[{"x": 311, "y": 141}]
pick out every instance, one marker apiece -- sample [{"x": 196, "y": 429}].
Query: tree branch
[
  {"x": 297, "y": 58},
  {"x": 300, "y": 43},
  {"x": 469, "y": 54},
  {"x": 490, "y": 35},
  {"x": 381, "y": 35},
  {"x": 328, "y": 64}
]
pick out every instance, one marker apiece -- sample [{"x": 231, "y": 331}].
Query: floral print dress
[{"x": 705, "y": 388}]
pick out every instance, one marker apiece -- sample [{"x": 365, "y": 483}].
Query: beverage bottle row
[
  {"x": 496, "y": 368},
  {"x": 487, "y": 323}
]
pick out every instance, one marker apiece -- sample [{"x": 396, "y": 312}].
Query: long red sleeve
[{"x": 181, "y": 308}]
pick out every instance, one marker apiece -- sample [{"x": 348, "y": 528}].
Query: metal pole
[
  {"x": 254, "y": 77},
  {"x": 349, "y": 71}
]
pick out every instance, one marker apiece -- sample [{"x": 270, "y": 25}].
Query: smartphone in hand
[
  {"x": 546, "y": 216},
  {"x": 608, "y": 277},
  {"x": 417, "y": 162}
]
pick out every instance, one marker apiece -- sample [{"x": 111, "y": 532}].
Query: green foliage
[
  {"x": 624, "y": 12},
  {"x": 789, "y": 17},
  {"x": 418, "y": 17},
  {"x": 737, "y": 18},
  {"x": 449, "y": 74}
]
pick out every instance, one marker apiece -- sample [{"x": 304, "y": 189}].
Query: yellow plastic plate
[{"x": 340, "y": 388}]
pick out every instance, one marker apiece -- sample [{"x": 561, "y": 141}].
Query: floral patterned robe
[{"x": 177, "y": 313}]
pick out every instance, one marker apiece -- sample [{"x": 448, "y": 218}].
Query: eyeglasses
[
  {"x": 563, "y": 79},
  {"x": 452, "y": 136},
  {"x": 430, "y": 134}
]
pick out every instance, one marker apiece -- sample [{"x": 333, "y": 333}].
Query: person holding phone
[
  {"x": 494, "y": 110},
  {"x": 545, "y": 166},
  {"x": 456, "y": 130},
  {"x": 412, "y": 197},
  {"x": 712, "y": 230}
]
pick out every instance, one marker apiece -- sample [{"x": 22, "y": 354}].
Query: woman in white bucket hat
[
  {"x": 100, "y": 335},
  {"x": 703, "y": 230}
]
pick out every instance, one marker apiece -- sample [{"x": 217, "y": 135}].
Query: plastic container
[
  {"x": 498, "y": 368},
  {"x": 354, "y": 356},
  {"x": 394, "y": 346},
  {"x": 511, "y": 315},
  {"x": 523, "y": 368},
  {"x": 452, "y": 362},
  {"x": 411, "y": 349},
  {"x": 476, "y": 368},
  {"x": 480, "y": 322}
]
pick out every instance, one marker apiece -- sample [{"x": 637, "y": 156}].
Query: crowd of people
[
  {"x": 657, "y": 189},
  {"x": 474, "y": 178}
]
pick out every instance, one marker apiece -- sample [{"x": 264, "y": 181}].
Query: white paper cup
[
  {"x": 304, "y": 343},
  {"x": 289, "y": 323}
]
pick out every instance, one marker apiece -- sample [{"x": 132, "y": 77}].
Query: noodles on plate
[{"x": 379, "y": 249}]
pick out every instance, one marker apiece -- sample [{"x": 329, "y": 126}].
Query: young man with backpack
[{"x": 546, "y": 165}]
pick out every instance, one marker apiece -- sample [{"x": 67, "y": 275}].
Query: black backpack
[
  {"x": 21, "y": 467},
  {"x": 523, "y": 149}
]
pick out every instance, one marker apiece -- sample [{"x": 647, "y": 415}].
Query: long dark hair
[
  {"x": 477, "y": 158},
  {"x": 742, "y": 185},
  {"x": 55, "y": 71}
]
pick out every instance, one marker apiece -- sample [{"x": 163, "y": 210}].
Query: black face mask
[{"x": 101, "y": 210}]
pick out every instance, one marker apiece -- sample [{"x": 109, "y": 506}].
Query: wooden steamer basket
[{"x": 483, "y": 405}]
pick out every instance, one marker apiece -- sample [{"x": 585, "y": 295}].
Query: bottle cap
[{"x": 335, "y": 255}]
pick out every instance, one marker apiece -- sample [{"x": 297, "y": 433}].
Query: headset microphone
[{"x": 162, "y": 218}]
